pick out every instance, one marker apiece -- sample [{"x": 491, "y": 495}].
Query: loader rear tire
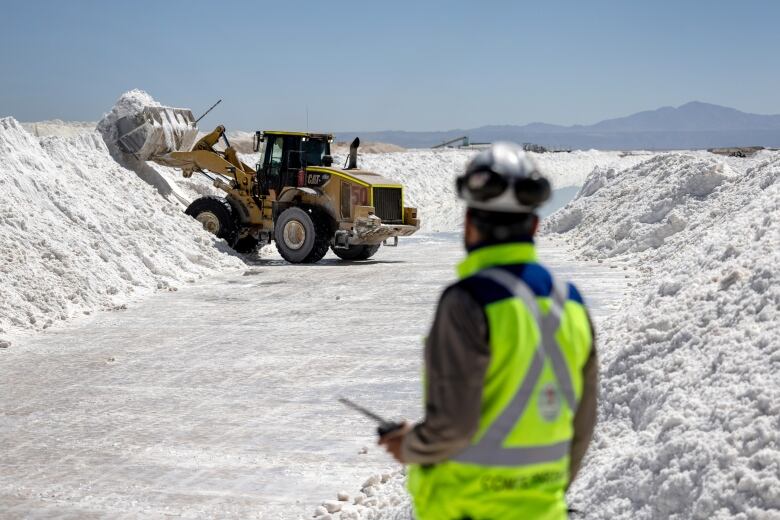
[
  {"x": 361, "y": 252},
  {"x": 302, "y": 235},
  {"x": 216, "y": 216}
]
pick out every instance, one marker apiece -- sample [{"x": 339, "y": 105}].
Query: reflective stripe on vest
[{"x": 489, "y": 451}]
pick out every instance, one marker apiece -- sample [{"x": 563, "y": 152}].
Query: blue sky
[{"x": 388, "y": 65}]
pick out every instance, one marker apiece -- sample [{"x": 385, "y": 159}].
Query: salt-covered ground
[{"x": 219, "y": 400}]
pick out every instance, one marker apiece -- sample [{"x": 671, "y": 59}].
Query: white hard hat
[{"x": 503, "y": 179}]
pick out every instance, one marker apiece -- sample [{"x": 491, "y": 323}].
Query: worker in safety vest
[{"x": 511, "y": 371}]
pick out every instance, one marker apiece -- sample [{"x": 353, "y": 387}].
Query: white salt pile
[
  {"x": 59, "y": 127},
  {"x": 690, "y": 404},
  {"x": 645, "y": 205},
  {"x": 80, "y": 233}
]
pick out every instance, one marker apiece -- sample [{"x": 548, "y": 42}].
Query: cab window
[
  {"x": 276, "y": 154},
  {"x": 314, "y": 151},
  {"x": 274, "y": 147}
]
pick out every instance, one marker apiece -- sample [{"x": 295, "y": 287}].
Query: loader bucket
[{"x": 156, "y": 131}]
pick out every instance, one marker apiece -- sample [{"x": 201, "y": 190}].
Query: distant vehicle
[{"x": 737, "y": 151}]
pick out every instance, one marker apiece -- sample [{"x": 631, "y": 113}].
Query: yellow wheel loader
[{"x": 294, "y": 197}]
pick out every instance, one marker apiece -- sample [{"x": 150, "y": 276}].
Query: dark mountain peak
[
  {"x": 692, "y": 116},
  {"x": 699, "y": 104},
  {"x": 702, "y": 107}
]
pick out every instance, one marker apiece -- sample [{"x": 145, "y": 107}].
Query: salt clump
[
  {"x": 383, "y": 496},
  {"x": 129, "y": 104}
]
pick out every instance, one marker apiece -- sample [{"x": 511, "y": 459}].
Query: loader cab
[{"x": 286, "y": 153}]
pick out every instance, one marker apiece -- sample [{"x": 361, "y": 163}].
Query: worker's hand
[{"x": 392, "y": 441}]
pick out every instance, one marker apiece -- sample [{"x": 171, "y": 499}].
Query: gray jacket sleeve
[
  {"x": 585, "y": 418},
  {"x": 456, "y": 359}
]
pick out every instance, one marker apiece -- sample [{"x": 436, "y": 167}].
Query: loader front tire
[
  {"x": 323, "y": 234},
  {"x": 361, "y": 252},
  {"x": 300, "y": 234},
  {"x": 216, "y": 216}
]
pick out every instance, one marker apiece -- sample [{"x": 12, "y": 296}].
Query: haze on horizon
[{"x": 404, "y": 66}]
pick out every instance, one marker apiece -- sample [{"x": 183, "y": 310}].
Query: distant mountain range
[{"x": 689, "y": 126}]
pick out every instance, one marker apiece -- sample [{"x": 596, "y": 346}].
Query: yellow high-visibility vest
[{"x": 517, "y": 465}]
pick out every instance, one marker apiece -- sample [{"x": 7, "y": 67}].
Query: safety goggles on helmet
[{"x": 503, "y": 179}]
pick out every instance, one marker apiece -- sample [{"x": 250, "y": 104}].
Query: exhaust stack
[{"x": 352, "y": 159}]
